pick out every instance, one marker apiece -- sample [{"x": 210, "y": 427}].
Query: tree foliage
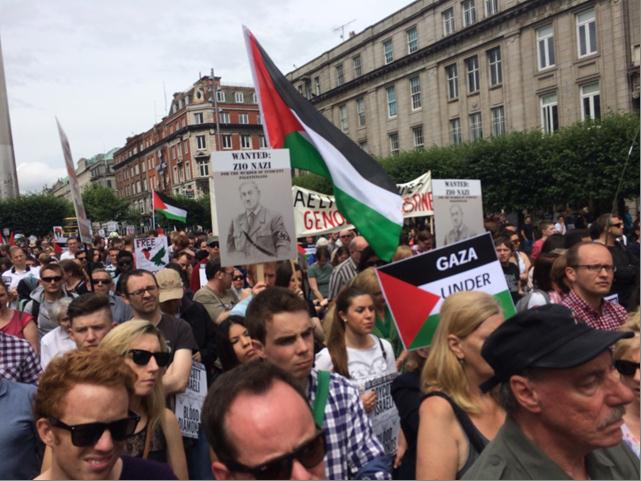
[
  {"x": 580, "y": 165},
  {"x": 102, "y": 204},
  {"x": 34, "y": 213}
]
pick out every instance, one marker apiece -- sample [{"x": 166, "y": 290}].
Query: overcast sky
[{"x": 103, "y": 67}]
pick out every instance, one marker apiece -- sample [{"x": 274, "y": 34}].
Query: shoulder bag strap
[
  {"x": 472, "y": 433},
  {"x": 322, "y": 391},
  {"x": 380, "y": 343}
]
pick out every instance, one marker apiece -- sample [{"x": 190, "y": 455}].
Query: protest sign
[
  {"x": 427, "y": 279},
  {"x": 385, "y": 419},
  {"x": 317, "y": 214},
  {"x": 59, "y": 234},
  {"x": 151, "y": 253},
  {"x": 253, "y": 206},
  {"x": 189, "y": 404},
  {"x": 458, "y": 210},
  {"x": 84, "y": 226}
]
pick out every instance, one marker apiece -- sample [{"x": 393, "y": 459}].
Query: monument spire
[{"x": 8, "y": 174}]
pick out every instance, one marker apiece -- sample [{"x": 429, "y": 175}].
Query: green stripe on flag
[
  {"x": 425, "y": 335},
  {"x": 304, "y": 155},
  {"x": 172, "y": 216}
]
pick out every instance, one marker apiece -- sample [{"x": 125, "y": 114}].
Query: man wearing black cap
[{"x": 563, "y": 397}]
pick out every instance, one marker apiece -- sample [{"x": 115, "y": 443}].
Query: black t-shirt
[
  {"x": 511, "y": 273},
  {"x": 177, "y": 333},
  {"x": 138, "y": 468}
]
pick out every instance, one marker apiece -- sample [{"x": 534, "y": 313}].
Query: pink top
[{"x": 17, "y": 323}]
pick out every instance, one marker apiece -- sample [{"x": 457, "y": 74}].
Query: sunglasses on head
[
  {"x": 626, "y": 368},
  {"x": 142, "y": 357},
  {"x": 309, "y": 454},
  {"x": 51, "y": 279},
  {"x": 86, "y": 435}
]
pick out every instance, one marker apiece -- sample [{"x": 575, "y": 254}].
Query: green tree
[
  {"x": 102, "y": 204},
  {"x": 34, "y": 213}
]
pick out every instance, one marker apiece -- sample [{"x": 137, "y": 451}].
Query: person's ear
[
  {"x": 570, "y": 273},
  {"x": 454, "y": 343},
  {"x": 45, "y": 432},
  {"x": 220, "y": 470},
  {"x": 525, "y": 393}
]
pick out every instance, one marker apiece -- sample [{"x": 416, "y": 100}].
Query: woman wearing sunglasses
[
  {"x": 157, "y": 434},
  {"x": 626, "y": 361}
]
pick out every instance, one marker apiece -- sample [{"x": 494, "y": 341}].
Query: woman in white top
[
  {"x": 352, "y": 350},
  {"x": 57, "y": 341}
]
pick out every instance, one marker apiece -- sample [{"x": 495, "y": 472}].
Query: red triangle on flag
[{"x": 410, "y": 305}]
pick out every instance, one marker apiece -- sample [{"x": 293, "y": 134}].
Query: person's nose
[
  {"x": 302, "y": 346},
  {"x": 300, "y": 472},
  {"x": 619, "y": 393},
  {"x": 105, "y": 443}
]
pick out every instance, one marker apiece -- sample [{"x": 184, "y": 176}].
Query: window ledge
[{"x": 496, "y": 87}]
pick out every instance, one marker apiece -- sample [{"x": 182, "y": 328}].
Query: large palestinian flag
[
  {"x": 415, "y": 288},
  {"x": 365, "y": 194},
  {"x": 168, "y": 207}
]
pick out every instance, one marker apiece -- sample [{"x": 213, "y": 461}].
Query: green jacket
[{"x": 512, "y": 456}]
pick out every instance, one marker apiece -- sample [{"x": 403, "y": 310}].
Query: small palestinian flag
[
  {"x": 365, "y": 194},
  {"x": 415, "y": 288},
  {"x": 167, "y": 207}
]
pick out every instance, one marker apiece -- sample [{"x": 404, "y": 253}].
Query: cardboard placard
[
  {"x": 189, "y": 404},
  {"x": 151, "y": 253},
  {"x": 458, "y": 210}
]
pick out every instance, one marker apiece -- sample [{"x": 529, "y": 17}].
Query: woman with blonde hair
[
  {"x": 456, "y": 419},
  {"x": 626, "y": 361},
  {"x": 157, "y": 434}
]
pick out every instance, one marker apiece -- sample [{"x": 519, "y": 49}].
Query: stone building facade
[
  {"x": 94, "y": 170},
  {"x": 173, "y": 156},
  {"x": 441, "y": 72}
]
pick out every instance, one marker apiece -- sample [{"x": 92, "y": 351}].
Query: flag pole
[{"x": 153, "y": 213}]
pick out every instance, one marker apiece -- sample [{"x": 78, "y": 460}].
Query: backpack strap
[
  {"x": 475, "y": 438},
  {"x": 380, "y": 343},
  {"x": 322, "y": 392}
]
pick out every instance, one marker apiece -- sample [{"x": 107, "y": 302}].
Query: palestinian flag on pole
[
  {"x": 415, "y": 288},
  {"x": 168, "y": 207},
  {"x": 365, "y": 194}
]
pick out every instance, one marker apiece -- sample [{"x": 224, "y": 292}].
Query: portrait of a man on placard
[{"x": 459, "y": 230}]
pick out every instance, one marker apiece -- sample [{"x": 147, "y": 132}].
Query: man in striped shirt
[{"x": 346, "y": 270}]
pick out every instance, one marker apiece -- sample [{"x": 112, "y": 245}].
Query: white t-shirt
[
  {"x": 363, "y": 364},
  {"x": 67, "y": 255},
  {"x": 11, "y": 278},
  {"x": 54, "y": 343}
]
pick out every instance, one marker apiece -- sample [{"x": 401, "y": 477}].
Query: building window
[
  {"x": 491, "y": 7},
  {"x": 586, "y": 32},
  {"x": 393, "y": 143},
  {"x": 317, "y": 90},
  {"x": 448, "y": 21},
  {"x": 388, "y": 51},
  {"x": 391, "y": 101},
  {"x": 472, "y": 71},
  {"x": 415, "y": 93},
  {"x": 360, "y": 111},
  {"x": 358, "y": 68},
  {"x": 476, "y": 126},
  {"x": 545, "y": 46},
  {"x": 469, "y": 12},
  {"x": 451, "y": 71},
  {"x": 455, "y": 131},
  {"x": 590, "y": 101},
  {"x": 203, "y": 168},
  {"x": 262, "y": 142},
  {"x": 201, "y": 143},
  {"x": 239, "y": 97},
  {"x": 243, "y": 118},
  {"x": 412, "y": 40},
  {"x": 494, "y": 63},
  {"x": 245, "y": 142},
  {"x": 198, "y": 118},
  {"x": 254, "y": 98},
  {"x": 549, "y": 113},
  {"x": 417, "y": 134},
  {"x": 342, "y": 118},
  {"x": 223, "y": 117},
  {"x": 498, "y": 121},
  {"x": 226, "y": 141},
  {"x": 340, "y": 75}
]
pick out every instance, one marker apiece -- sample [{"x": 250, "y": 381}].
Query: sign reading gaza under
[{"x": 428, "y": 279}]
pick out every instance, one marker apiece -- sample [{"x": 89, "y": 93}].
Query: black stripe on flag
[
  {"x": 364, "y": 164},
  {"x": 452, "y": 260}
]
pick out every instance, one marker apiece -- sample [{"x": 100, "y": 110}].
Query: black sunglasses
[
  {"x": 51, "y": 279},
  {"x": 100, "y": 282},
  {"x": 86, "y": 435},
  {"x": 626, "y": 368},
  {"x": 309, "y": 454},
  {"x": 142, "y": 357}
]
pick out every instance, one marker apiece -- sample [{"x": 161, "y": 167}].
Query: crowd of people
[{"x": 307, "y": 377}]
